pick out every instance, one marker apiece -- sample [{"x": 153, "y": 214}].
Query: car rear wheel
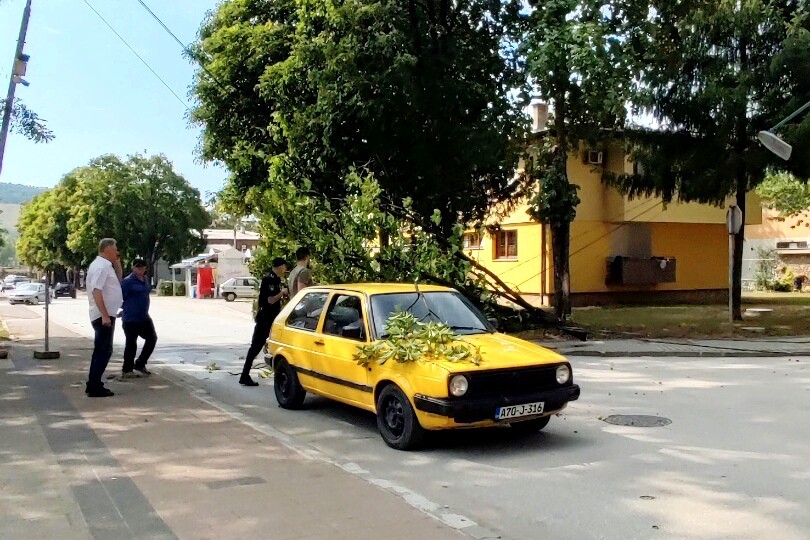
[
  {"x": 397, "y": 421},
  {"x": 530, "y": 426},
  {"x": 230, "y": 297},
  {"x": 289, "y": 393}
]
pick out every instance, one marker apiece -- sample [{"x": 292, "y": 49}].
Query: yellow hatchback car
[{"x": 315, "y": 337}]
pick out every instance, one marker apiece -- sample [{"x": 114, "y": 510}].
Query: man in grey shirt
[{"x": 301, "y": 276}]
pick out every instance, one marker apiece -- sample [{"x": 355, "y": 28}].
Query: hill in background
[{"x": 18, "y": 193}]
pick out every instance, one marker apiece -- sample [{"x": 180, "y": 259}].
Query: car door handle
[{"x": 319, "y": 342}]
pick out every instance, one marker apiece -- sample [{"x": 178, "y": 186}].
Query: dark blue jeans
[
  {"x": 134, "y": 330},
  {"x": 102, "y": 351}
]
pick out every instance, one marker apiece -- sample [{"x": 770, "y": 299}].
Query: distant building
[
  {"x": 222, "y": 239},
  {"x": 786, "y": 241}
]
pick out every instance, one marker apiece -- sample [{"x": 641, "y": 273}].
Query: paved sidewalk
[
  {"x": 721, "y": 348},
  {"x": 156, "y": 461}
]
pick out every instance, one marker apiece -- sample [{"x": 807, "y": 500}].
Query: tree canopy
[
  {"x": 142, "y": 202},
  {"x": 417, "y": 93},
  {"x": 785, "y": 193},
  {"x": 712, "y": 74}
]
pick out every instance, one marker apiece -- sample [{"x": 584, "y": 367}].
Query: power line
[
  {"x": 181, "y": 100},
  {"x": 185, "y": 47}
]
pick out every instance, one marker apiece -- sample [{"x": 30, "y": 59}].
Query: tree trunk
[{"x": 560, "y": 244}]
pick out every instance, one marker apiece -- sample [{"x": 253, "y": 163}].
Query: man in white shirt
[{"x": 103, "y": 283}]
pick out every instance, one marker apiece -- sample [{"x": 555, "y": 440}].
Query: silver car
[
  {"x": 28, "y": 293},
  {"x": 239, "y": 287}
]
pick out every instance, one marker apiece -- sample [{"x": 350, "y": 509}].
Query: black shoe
[
  {"x": 143, "y": 371},
  {"x": 247, "y": 381},
  {"x": 100, "y": 392}
]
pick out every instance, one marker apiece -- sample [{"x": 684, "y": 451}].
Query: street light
[{"x": 773, "y": 143}]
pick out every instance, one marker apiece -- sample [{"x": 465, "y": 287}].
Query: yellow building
[{"x": 622, "y": 250}]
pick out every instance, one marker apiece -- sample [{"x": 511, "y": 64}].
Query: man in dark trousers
[
  {"x": 271, "y": 292},
  {"x": 137, "y": 322}
]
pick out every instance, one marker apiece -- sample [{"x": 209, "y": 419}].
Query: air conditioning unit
[{"x": 594, "y": 157}]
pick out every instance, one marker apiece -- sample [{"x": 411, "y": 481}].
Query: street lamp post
[
  {"x": 17, "y": 71},
  {"x": 772, "y": 142}
]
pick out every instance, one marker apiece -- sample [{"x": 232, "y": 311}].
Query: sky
[{"x": 95, "y": 94}]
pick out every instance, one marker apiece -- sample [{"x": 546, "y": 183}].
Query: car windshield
[
  {"x": 28, "y": 287},
  {"x": 448, "y": 307}
]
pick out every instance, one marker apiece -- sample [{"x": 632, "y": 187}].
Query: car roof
[{"x": 381, "y": 288}]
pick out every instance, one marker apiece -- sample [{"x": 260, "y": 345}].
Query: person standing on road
[
  {"x": 301, "y": 276},
  {"x": 271, "y": 292},
  {"x": 103, "y": 282},
  {"x": 136, "y": 321}
]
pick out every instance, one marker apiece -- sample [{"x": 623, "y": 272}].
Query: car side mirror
[{"x": 494, "y": 322}]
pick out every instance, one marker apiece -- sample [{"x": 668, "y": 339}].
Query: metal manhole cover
[{"x": 637, "y": 420}]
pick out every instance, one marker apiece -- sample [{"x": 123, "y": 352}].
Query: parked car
[
  {"x": 313, "y": 341},
  {"x": 64, "y": 289},
  {"x": 28, "y": 293},
  {"x": 239, "y": 287},
  {"x": 11, "y": 281}
]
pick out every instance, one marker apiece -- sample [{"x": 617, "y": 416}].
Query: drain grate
[{"x": 637, "y": 420}]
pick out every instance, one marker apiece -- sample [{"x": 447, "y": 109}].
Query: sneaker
[
  {"x": 247, "y": 381},
  {"x": 100, "y": 392},
  {"x": 143, "y": 371},
  {"x": 130, "y": 375}
]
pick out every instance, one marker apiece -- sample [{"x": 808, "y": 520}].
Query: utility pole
[{"x": 12, "y": 85}]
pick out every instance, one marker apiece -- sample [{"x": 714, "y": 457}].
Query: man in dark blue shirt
[
  {"x": 271, "y": 293},
  {"x": 137, "y": 322}
]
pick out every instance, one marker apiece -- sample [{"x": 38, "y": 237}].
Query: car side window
[
  {"x": 306, "y": 313},
  {"x": 344, "y": 318}
]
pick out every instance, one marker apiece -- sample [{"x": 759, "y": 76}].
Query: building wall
[{"x": 609, "y": 224}]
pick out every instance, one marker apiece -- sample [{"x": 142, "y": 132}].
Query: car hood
[{"x": 500, "y": 351}]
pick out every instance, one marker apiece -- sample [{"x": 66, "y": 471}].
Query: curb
[{"x": 683, "y": 354}]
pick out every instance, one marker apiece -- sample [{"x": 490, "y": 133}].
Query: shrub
[
  {"x": 164, "y": 288},
  {"x": 179, "y": 289}
]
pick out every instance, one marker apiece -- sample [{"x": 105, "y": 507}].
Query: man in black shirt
[{"x": 271, "y": 292}]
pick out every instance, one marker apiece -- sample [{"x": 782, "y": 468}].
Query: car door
[
  {"x": 299, "y": 335},
  {"x": 342, "y": 330}
]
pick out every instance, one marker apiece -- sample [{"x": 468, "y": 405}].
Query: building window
[
  {"x": 471, "y": 241},
  {"x": 506, "y": 245}
]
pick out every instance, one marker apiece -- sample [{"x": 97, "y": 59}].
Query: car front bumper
[{"x": 465, "y": 411}]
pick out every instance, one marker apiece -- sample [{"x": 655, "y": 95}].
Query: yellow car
[{"x": 315, "y": 337}]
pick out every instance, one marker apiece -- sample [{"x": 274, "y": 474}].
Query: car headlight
[
  {"x": 563, "y": 374},
  {"x": 459, "y": 385}
]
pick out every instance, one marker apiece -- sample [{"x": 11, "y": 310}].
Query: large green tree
[
  {"x": 712, "y": 74},
  {"x": 576, "y": 62},
  {"x": 415, "y": 92},
  {"x": 151, "y": 210}
]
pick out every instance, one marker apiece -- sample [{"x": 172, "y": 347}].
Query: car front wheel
[
  {"x": 530, "y": 426},
  {"x": 289, "y": 393},
  {"x": 397, "y": 421}
]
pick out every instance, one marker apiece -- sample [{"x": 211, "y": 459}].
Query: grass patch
[
  {"x": 4, "y": 335},
  {"x": 790, "y": 316}
]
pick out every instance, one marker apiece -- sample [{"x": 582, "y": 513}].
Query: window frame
[
  {"x": 330, "y": 304},
  {"x": 471, "y": 246},
  {"x": 320, "y": 315},
  {"x": 497, "y": 244}
]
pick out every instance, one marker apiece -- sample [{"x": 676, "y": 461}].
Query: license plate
[{"x": 516, "y": 411}]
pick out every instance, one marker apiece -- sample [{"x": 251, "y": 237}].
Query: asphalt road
[{"x": 733, "y": 463}]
